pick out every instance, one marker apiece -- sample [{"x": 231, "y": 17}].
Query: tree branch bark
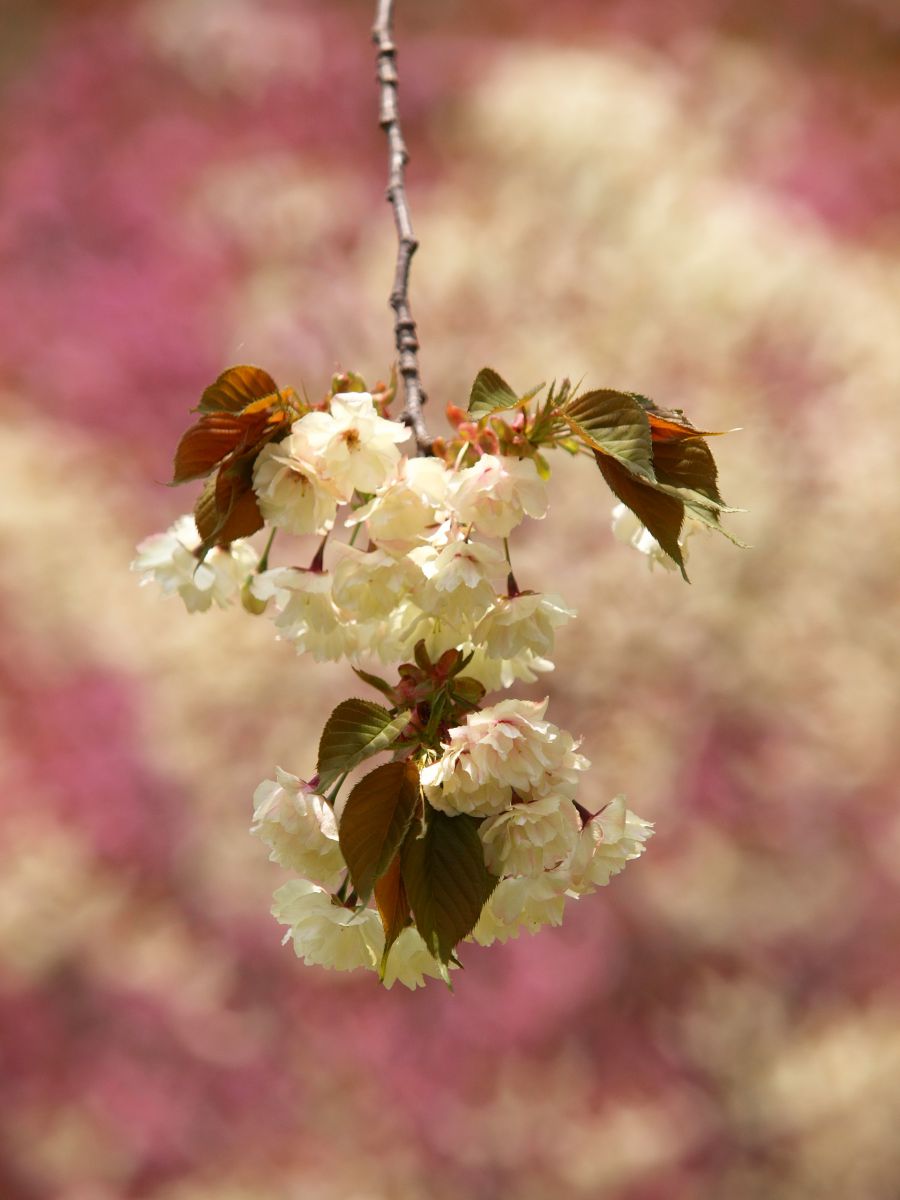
[{"x": 405, "y": 334}]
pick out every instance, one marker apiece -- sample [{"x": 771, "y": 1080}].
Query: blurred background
[{"x": 698, "y": 200}]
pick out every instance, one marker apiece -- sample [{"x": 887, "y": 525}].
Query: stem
[
  {"x": 405, "y": 336},
  {"x": 263, "y": 564},
  {"x": 512, "y": 588},
  {"x": 318, "y": 562}
]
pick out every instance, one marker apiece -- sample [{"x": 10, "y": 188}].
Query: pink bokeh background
[{"x": 696, "y": 200}]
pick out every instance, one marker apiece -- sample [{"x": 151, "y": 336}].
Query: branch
[{"x": 404, "y": 326}]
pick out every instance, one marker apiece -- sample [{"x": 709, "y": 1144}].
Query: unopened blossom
[
  {"x": 530, "y": 838},
  {"x": 408, "y": 506},
  {"x": 410, "y": 962},
  {"x": 291, "y": 495},
  {"x": 504, "y": 751},
  {"x": 607, "y": 842},
  {"x": 352, "y": 447},
  {"x": 326, "y": 934},
  {"x": 459, "y": 580},
  {"x": 371, "y": 586},
  {"x": 299, "y": 828},
  {"x": 627, "y": 527},
  {"x": 496, "y": 494},
  {"x": 305, "y": 613},
  {"x": 521, "y": 903},
  {"x": 168, "y": 559},
  {"x": 514, "y": 625}
]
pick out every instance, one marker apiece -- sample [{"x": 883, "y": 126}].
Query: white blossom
[
  {"x": 352, "y": 447},
  {"x": 168, "y": 559},
  {"x": 497, "y": 493},
  {"x": 299, "y": 828},
  {"x": 459, "y": 580},
  {"x": 607, "y": 842},
  {"x": 516, "y": 625},
  {"x": 497, "y": 673},
  {"x": 326, "y": 934},
  {"x": 530, "y": 838},
  {"x": 305, "y": 613},
  {"x": 410, "y": 962},
  {"x": 408, "y": 507},
  {"x": 290, "y": 493},
  {"x": 521, "y": 903},
  {"x": 501, "y": 751},
  {"x": 372, "y": 586}
]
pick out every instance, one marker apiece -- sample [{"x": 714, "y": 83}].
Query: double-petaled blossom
[
  {"x": 608, "y": 841},
  {"x": 496, "y": 673},
  {"x": 503, "y": 752},
  {"x": 371, "y": 586},
  {"x": 350, "y": 447},
  {"x": 521, "y": 903},
  {"x": 459, "y": 580},
  {"x": 521, "y": 624},
  {"x": 497, "y": 493},
  {"x": 168, "y": 559},
  {"x": 325, "y": 933},
  {"x": 408, "y": 507},
  {"x": 410, "y": 962},
  {"x": 299, "y": 828},
  {"x": 531, "y": 836},
  {"x": 305, "y": 613},
  {"x": 291, "y": 495}
]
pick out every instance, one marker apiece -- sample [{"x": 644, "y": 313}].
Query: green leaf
[
  {"x": 490, "y": 392},
  {"x": 375, "y": 681},
  {"x": 236, "y": 388},
  {"x": 615, "y": 425},
  {"x": 662, "y": 514},
  {"x": 355, "y": 731},
  {"x": 393, "y": 908},
  {"x": 446, "y": 880},
  {"x": 375, "y": 820}
]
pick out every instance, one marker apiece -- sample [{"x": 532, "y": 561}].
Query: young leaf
[
  {"x": 225, "y": 510},
  {"x": 489, "y": 393},
  {"x": 205, "y": 445},
  {"x": 375, "y": 820},
  {"x": 615, "y": 425},
  {"x": 355, "y": 731},
  {"x": 446, "y": 880},
  {"x": 670, "y": 424},
  {"x": 375, "y": 681},
  {"x": 393, "y": 908},
  {"x": 688, "y": 465},
  {"x": 236, "y": 388},
  {"x": 662, "y": 514}
]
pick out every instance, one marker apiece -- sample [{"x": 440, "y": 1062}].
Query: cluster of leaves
[
  {"x": 240, "y": 413},
  {"x": 422, "y": 866},
  {"x": 653, "y": 459}
]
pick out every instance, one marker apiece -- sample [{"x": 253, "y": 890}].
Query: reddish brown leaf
[
  {"x": 393, "y": 903},
  {"x": 205, "y": 445},
  {"x": 243, "y": 520},
  {"x": 687, "y": 464},
  {"x": 236, "y": 388},
  {"x": 667, "y": 425},
  {"x": 662, "y": 514}
]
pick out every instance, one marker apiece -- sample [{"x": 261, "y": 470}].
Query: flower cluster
[{"x": 470, "y": 829}]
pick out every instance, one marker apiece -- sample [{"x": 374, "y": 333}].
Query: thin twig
[{"x": 404, "y": 325}]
